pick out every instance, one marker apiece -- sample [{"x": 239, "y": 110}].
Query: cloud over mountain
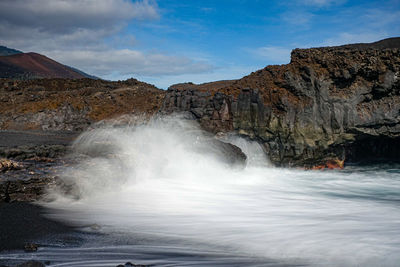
[
  {"x": 127, "y": 61},
  {"x": 79, "y": 33}
]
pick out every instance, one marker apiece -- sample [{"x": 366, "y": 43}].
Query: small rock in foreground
[
  {"x": 31, "y": 264},
  {"x": 129, "y": 264},
  {"x": 8, "y": 165},
  {"x": 31, "y": 247}
]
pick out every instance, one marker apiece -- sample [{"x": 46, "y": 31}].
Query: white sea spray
[{"x": 153, "y": 179}]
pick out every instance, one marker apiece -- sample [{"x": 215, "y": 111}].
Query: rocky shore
[
  {"x": 326, "y": 107},
  {"x": 29, "y": 165},
  {"x": 30, "y": 161}
]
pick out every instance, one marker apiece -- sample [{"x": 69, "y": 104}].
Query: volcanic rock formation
[
  {"x": 328, "y": 105},
  {"x": 73, "y": 105}
]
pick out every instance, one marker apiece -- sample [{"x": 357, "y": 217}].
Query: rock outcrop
[
  {"x": 28, "y": 180},
  {"x": 7, "y": 165},
  {"x": 72, "y": 105},
  {"x": 26, "y": 190},
  {"x": 30, "y": 162},
  {"x": 328, "y": 105}
]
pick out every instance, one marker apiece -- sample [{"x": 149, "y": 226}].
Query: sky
[{"x": 164, "y": 42}]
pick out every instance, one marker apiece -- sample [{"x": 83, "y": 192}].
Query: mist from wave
[{"x": 157, "y": 181}]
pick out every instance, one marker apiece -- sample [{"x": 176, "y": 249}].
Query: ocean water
[{"x": 151, "y": 194}]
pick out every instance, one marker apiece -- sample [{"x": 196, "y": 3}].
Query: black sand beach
[
  {"x": 35, "y": 138},
  {"x": 24, "y": 223}
]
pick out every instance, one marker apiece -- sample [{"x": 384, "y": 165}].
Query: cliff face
[
  {"x": 327, "y": 106},
  {"x": 64, "y": 104}
]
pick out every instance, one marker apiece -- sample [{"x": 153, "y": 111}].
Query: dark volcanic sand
[
  {"x": 22, "y": 223},
  {"x": 35, "y": 138}
]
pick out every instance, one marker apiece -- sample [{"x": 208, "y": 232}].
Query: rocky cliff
[
  {"x": 72, "y": 105},
  {"x": 327, "y": 106}
]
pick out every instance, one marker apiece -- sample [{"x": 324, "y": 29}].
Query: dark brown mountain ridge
[
  {"x": 15, "y": 64},
  {"x": 38, "y": 66}
]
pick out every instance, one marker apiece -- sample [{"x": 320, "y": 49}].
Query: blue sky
[{"x": 169, "y": 41}]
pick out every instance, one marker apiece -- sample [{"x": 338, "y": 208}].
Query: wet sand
[{"x": 22, "y": 223}]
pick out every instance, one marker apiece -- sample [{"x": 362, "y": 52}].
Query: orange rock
[
  {"x": 329, "y": 164},
  {"x": 7, "y": 164},
  {"x": 335, "y": 164}
]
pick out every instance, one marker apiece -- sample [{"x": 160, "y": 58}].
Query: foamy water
[{"x": 162, "y": 200}]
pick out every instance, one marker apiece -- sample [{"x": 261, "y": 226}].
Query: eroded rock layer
[
  {"x": 72, "y": 105},
  {"x": 328, "y": 105}
]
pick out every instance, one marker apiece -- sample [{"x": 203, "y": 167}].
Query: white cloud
[
  {"x": 321, "y": 3},
  {"x": 380, "y": 18},
  {"x": 302, "y": 18},
  {"x": 127, "y": 62},
  {"x": 208, "y": 9},
  {"x": 59, "y": 16},
  {"x": 35, "y": 40},
  {"x": 350, "y": 38},
  {"x": 228, "y": 72},
  {"x": 273, "y": 54},
  {"x": 86, "y": 34},
  {"x": 44, "y": 25}
]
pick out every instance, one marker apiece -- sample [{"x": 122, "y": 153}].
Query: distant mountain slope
[
  {"x": 388, "y": 43},
  {"x": 33, "y": 65},
  {"x": 5, "y": 51},
  {"x": 16, "y": 64},
  {"x": 84, "y": 73}
]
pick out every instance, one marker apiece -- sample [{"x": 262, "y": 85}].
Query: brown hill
[
  {"x": 33, "y": 65},
  {"x": 72, "y": 104}
]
